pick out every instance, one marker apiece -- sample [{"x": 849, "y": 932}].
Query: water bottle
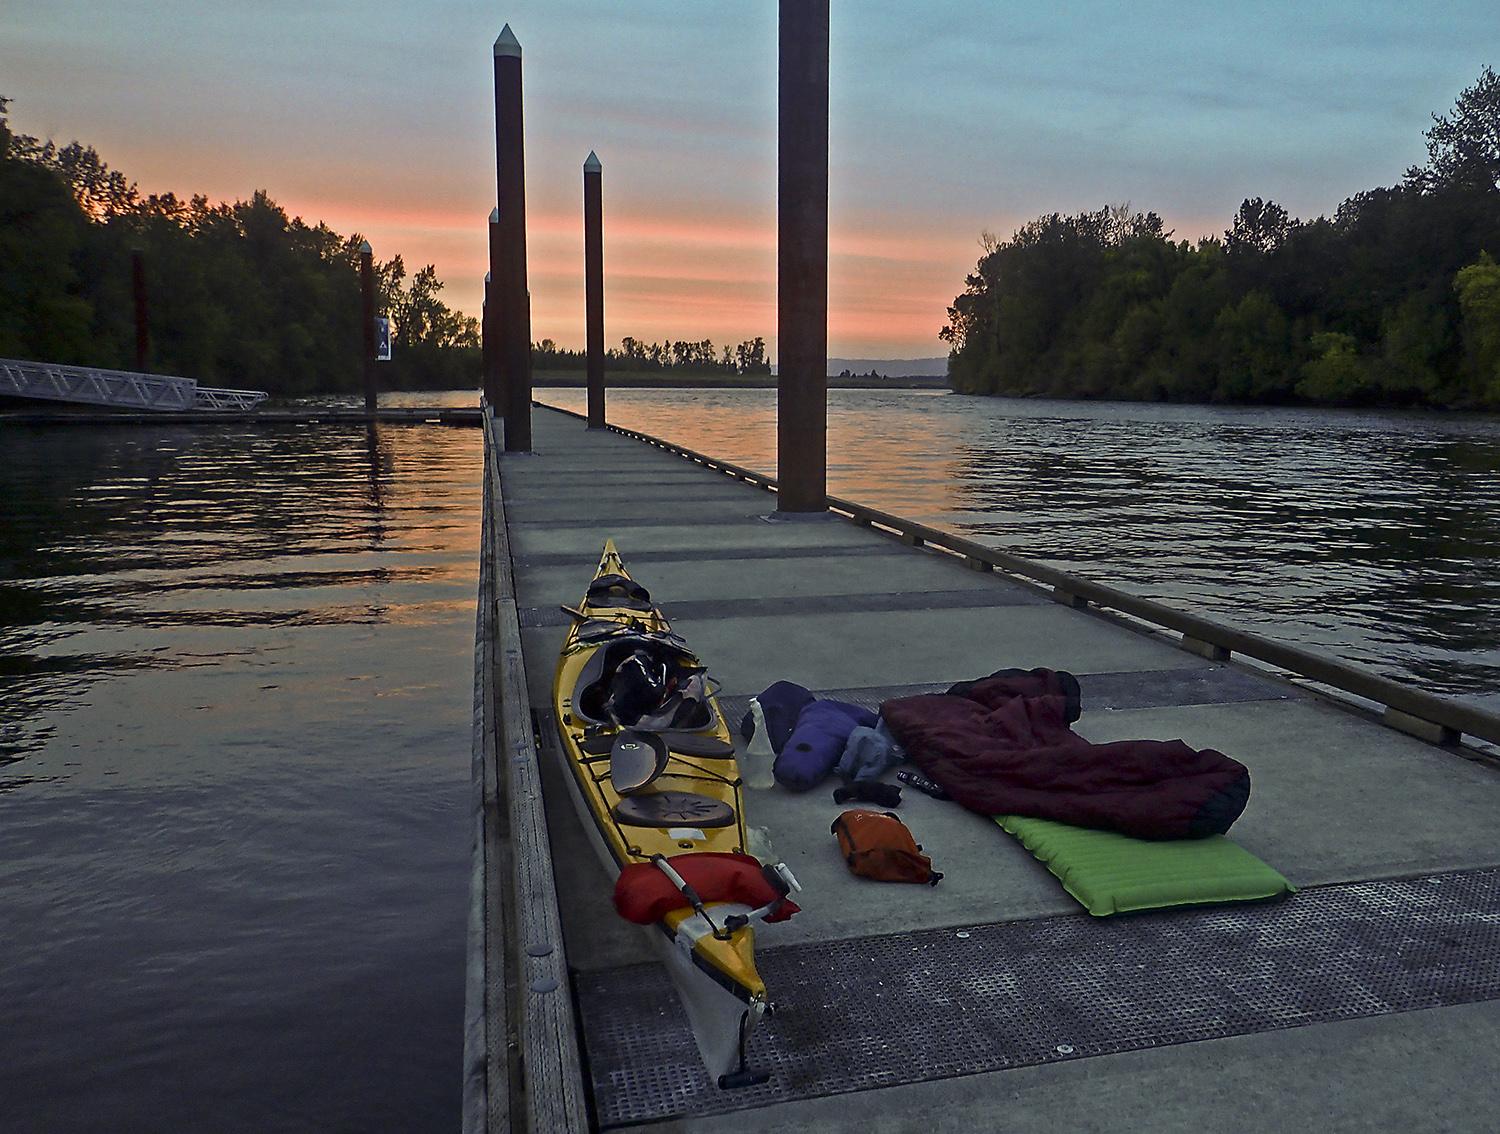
[{"x": 755, "y": 765}]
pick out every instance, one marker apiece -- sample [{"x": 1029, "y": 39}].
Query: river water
[
  {"x": 1371, "y": 536},
  {"x": 235, "y": 684},
  {"x": 236, "y": 675}
]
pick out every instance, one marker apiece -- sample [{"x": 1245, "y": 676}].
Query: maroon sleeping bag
[{"x": 1002, "y": 746}]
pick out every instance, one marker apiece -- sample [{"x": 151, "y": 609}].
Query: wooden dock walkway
[{"x": 1369, "y": 1000}]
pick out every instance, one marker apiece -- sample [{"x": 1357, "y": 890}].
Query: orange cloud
[{"x": 684, "y": 274}]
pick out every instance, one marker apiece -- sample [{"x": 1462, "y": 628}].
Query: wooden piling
[
  {"x": 494, "y": 386},
  {"x": 593, "y": 284},
  {"x": 802, "y": 258},
  {"x": 509, "y": 285},
  {"x": 142, "y": 315},
  {"x": 485, "y": 352},
  {"x": 367, "y": 306}
]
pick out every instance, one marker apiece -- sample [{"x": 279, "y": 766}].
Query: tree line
[
  {"x": 239, "y": 294},
  {"x": 1395, "y": 300},
  {"x": 748, "y": 357}
]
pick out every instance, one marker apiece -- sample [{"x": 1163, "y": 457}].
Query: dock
[
  {"x": 1370, "y": 999},
  {"x": 468, "y": 416},
  {"x": 118, "y": 389}
]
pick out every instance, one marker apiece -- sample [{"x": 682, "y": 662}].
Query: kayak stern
[{"x": 720, "y": 988}]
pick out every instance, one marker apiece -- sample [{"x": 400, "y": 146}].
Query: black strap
[{"x": 840, "y": 825}]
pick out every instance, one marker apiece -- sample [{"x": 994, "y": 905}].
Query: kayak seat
[
  {"x": 673, "y": 809},
  {"x": 617, "y": 591},
  {"x": 592, "y": 688}
]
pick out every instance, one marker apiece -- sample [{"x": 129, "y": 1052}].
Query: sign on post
[{"x": 382, "y": 339}]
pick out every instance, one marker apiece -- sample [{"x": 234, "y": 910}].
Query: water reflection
[
  {"x": 233, "y": 774},
  {"x": 1372, "y": 536}
]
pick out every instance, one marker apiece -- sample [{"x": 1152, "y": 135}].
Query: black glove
[{"x": 868, "y": 791}]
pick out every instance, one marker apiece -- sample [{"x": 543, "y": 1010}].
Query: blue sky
[{"x": 947, "y": 119}]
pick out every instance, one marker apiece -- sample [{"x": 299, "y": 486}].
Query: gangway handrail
[
  {"x": 1430, "y": 716},
  {"x": 218, "y": 397},
  {"x": 122, "y": 389}
]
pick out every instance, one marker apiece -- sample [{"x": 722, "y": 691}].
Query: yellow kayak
[{"x": 653, "y": 760}]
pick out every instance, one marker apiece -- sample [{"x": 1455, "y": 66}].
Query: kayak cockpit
[{"x": 643, "y": 680}]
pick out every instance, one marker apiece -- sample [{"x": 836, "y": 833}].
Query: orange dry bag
[{"x": 877, "y": 845}]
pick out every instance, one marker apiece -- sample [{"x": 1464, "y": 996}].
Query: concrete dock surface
[{"x": 1377, "y": 829}]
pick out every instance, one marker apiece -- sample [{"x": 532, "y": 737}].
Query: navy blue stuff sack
[
  {"x": 780, "y": 703},
  {"x": 817, "y": 742}
]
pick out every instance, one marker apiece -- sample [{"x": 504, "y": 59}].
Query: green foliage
[
  {"x": 1389, "y": 302},
  {"x": 1254, "y": 342},
  {"x": 240, "y": 295},
  {"x": 42, "y": 231},
  {"x": 1478, "y": 288},
  {"x": 1415, "y": 336},
  {"x": 1334, "y": 373}
]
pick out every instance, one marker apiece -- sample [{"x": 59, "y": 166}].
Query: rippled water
[
  {"x": 1374, "y": 537},
  {"x": 235, "y": 680},
  {"x": 235, "y": 686}
]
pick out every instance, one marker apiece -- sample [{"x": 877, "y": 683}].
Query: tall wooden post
[
  {"x": 509, "y": 284},
  {"x": 494, "y": 386},
  {"x": 486, "y": 343},
  {"x": 802, "y": 258},
  {"x": 142, "y": 316},
  {"x": 367, "y": 306},
  {"x": 593, "y": 284}
]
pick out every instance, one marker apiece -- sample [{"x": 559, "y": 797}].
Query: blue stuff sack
[{"x": 817, "y": 742}]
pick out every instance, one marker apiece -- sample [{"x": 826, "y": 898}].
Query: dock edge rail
[
  {"x": 125, "y": 389},
  {"x": 522, "y": 1067},
  {"x": 1427, "y": 716}
]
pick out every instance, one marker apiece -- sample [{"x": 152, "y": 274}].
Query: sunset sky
[{"x": 948, "y": 118}]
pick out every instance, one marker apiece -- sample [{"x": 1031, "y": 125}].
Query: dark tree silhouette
[
  {"x": 1463, "y": 147},
  {"x": 242, "y": 294},
  {"x": 1395, "y": 300}
]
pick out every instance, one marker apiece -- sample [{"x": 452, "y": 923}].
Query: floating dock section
[{"x": 1368, "y": 1000}]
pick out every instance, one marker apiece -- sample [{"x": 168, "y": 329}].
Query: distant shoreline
[{"x": 575, "y": 379}]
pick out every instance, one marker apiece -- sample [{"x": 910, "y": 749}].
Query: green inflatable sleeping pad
[{"x": 1112, "y": 873}]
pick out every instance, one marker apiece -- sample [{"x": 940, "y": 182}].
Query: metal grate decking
[{"x": 881, "y": 1011}]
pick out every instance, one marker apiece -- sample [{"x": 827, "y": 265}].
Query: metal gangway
[{"x": 118, "y": 389}]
